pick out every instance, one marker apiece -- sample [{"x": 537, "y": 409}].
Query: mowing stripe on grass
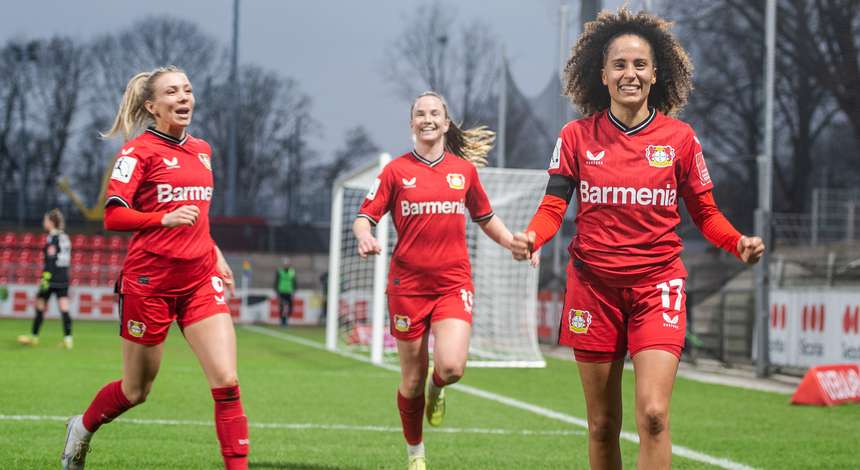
[
  {"x": 678, "y": 450},
  {"x": 305, "y": 426}
]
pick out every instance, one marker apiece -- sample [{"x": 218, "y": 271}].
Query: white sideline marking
[
  {"x": 305, "y": 426},
  {"x": 514, "y": 403}
]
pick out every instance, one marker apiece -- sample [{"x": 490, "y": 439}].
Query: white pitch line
[
  {"x": 305, "y": 426},
  {"x": 678, "y": 450}
]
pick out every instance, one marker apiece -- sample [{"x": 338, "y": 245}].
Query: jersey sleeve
[
  {"x": 379, "y": 197},
  {"x": 693, "y": 176},
  {"x": 128, "y": 171},
  {"x": 476, "y": 199},
  {"x": 563, "y": 168}
]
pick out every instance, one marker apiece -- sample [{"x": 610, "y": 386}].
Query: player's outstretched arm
[
  {"x": 719, "y": 231},
  {"x": 496, "y": 229},
  {"x": 367, "y": 244}
]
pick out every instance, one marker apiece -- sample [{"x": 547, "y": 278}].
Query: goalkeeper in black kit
[{"x": 54, "y": 280}]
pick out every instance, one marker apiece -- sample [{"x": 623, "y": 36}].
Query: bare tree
[
  {"x": 58, "y": 74},
  {"x": 727, "y": 103},
  {"x": 274, "y": 123},
  {"x": 433, "y": 53},
  {"x": 829, "y": 49}
]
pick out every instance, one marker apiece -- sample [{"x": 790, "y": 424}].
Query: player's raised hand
[
  {"x": 367, "y": 245},
  {"x": 750, "y": 249},
  {"x": 522, "y": 246},
  {"x": 184, "y": 215}
]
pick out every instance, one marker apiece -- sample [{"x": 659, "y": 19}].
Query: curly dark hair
[{"x": 582, "y": 76}]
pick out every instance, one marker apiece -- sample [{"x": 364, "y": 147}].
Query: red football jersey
[
  {"x": 628, "y": 182},
  {"x": 157, "y": 172},
  {"x": 428, "y": 202}
]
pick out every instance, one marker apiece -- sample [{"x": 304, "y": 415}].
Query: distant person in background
[
  {"x": 161, "y": 189},
  {"x": 54, "y": 280},
  {"x": 630, "y": 163},
  {"x": 285, "y": 286}
]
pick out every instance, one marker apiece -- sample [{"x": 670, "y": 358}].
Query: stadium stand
[{"x": 96, "y": 259}]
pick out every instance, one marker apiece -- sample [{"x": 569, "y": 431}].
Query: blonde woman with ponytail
[
  {"x": 427, "y": 191},
  {"x": 161, "y": 188}
]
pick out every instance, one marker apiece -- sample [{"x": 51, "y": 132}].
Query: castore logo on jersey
[
  {"x": 408, "y": 183},
  {"x": 171, "y": 164},
  {"x": 595, "y": 157}
]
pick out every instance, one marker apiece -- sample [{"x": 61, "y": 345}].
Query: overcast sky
[{"x": 333, "y": 48}]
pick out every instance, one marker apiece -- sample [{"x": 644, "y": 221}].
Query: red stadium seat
[
  {"x": 8, "y": 240},
  {"x": 79, "y": 242},
  {"x": 25, "y": 257},
  {"x": 98, "y": 242},
  {"x": 116, "y": 243},
  {"x": 97, "y": 258},
  {"x": 93, "y": 275},
  {"x": 29, "y": 240},
  {"x": 115, "y": 260},
  {"x": 6, "y": 256},
  {"x": 77, "y": 257},
  {"x": 32, "y": 276},
  {"x": 41, "y": 240}
]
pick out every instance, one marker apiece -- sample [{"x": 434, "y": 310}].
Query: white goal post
[{"x": 504, "y": 315}]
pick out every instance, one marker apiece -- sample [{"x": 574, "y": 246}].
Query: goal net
[{"x": 504, "y": 314}]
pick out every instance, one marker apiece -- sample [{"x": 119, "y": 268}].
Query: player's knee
[
  {"x": 604, "y": 429},
  {"x": 226, "y": 380},
  {"x": 452, "y": 373},
  {"x": 654, "y": 420},
  {"x": 136, "y": 395}
]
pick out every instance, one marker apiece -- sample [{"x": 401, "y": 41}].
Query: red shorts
[
  {"x": 410, "y": 315},
  {"x": 146, "y": 319},
  {"x": 602, "y": 323}
]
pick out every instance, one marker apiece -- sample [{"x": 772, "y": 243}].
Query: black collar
[
  {"x": 428, "y": 162},
  {"x": 633, "y": 129},
  {"x": 168, "y": 137}
]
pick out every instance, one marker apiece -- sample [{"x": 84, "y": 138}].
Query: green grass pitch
[{"x": 311, "y": 409}]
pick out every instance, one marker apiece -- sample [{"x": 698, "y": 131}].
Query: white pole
[
  {"x": 380, "y": 272},
  {"x": 333, "y": 303},
  {"x": 763, "y": 214},
  {"x": 558, "y": 243},
  {"x": 503, "y": 112},
  {"x": 232, "y": 145}
]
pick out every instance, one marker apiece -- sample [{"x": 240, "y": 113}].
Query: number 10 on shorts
[{"x": 468, "y": 300}]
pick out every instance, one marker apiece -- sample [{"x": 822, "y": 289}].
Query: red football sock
[
  {"x": 437, "y": 380},
  {"x": 109, "y": 403},
  {"x": 231, "y": 425},
  {"x": 412, "y": 417}
]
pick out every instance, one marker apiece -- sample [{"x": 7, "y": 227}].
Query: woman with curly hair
[
  {"x": 630, "y": 162},
  {"x": 427, "y": 191}
]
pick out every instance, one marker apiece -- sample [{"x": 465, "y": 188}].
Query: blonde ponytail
[
  {"x": 472, "y": 145},
  {"x": 132, "y": 114}
]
